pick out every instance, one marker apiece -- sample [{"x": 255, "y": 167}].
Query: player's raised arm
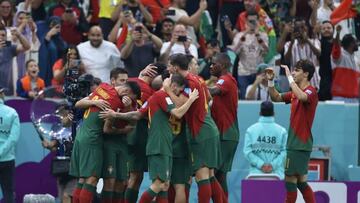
[
  {"x": 180, "y": 111},
  {"x": 301, "y": 95},
  {"x": 274, "y": 94},
  {"x": 111, "y": 114}
]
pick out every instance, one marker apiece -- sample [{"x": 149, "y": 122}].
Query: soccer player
[
  {"x": 87, "y": 155},
  {"x": 303, "y": 98},
  {"x": 224, "y": 113},
  {"x": 204, "y": 135},
  {"x": 115, "y": 149},
  {"x": 137, "y": 160},
  {"x": 159, "y": 144}
]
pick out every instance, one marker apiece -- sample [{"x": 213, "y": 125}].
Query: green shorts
[
  {"x": 228, "y": 149},
  {"x": 137, "y": 159},
  {"x": 160, "y": 167},
  {"x": 205, "y": 153},
  {"x": 115, "y": 164},
  {"x": 181, "y": 171},
  {"x": 296, "y": 162},
  {"x": 86, "y": 160}
]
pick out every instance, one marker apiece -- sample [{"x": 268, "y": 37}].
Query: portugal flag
[{"x": 344, "y": 11}]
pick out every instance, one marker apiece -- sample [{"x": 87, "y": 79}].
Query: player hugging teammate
[{"x": 173, "y": 133}]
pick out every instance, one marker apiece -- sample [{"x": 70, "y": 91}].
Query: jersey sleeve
[
  {"x": 286, "y": 97},
  {"x": 312, "y": 95},
  {"x": 144, "y": 109},
  {"x": 166, "y": 104},
  {"x": 222, "y": 85}
]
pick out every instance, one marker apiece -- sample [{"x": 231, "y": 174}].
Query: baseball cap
[
  {"x": 261, "y": 67},
  {"x": 267, "y": 108}
]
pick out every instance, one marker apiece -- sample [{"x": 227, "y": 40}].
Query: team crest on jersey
[
  {"x": 168, "y": 100},
  {"x": 220, "y": 82},
  {"x": 110, "y": 169},
  {"x": 309, "y": 92}
]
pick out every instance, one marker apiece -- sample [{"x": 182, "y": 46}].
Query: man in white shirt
[
  {"x": 180, "y": 44},
  {"x": 98, "y": 55},
  {"x": 181, "y": 16}
]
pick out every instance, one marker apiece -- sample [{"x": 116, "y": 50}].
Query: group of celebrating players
[{"x": 160, "y": 122}]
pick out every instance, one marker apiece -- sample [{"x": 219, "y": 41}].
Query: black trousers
[{"x": 7, "y": 180}]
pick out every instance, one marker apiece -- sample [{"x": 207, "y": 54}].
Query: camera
[
  {"x": 182, "y": 38},
  {"x": 76, "y": 87},
  {"x": 138, "y": 28},
  {"x": 68, "y": 10},
  {"x": 170, "y": 12}
]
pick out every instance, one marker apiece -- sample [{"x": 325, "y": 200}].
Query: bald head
[
  {"x": 179, "y": 30},
  {"x": 95, "y": 36}
]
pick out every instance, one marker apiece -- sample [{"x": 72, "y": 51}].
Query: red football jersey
[{"x": 146, "y": 90}]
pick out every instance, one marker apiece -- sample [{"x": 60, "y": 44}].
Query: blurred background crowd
[{"x": 41, "y": 39}]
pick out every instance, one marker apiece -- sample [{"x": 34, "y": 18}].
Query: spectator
[
  {"x": 325, "y": 71},
  {"x": 278, "y": 11},
  {"x": 139, "y": 11},
  {"x": 212, "y": 48},
  {"x": 259, "y": 89},
  {"x": 9, "y": 136},
  {"x": 302, "y": 46},
  {"x": 7, "y": 52},
  {"x": 30, "y": 85},
  {"x": 179, "y": 43},
  {"x": 74, "y": 23},
  {"x": 324, "y": 12},
  {"x": 108, "y": 15},
  {"x": 70, "y": 59},
  {"x": 181, "y": 16},
  {"x": 265, "y": 24},
  {"x": 346, "y": 74},
  {"x": 142, "y": 44},
  {"x": 167, "y": 27},
  {"x": 35, "y": 7},
  {"x": 6, "y": 13},
  {"x": 265, "y": 143},
  {"x": 251, "y": 46},
  {"x": 91, "y": 10},
  {"x": 98, "y": 55},
  {"x": 157, "y": 8},
  {"x": 27, "y": 28},
  {"x": 51, "y": 48}
]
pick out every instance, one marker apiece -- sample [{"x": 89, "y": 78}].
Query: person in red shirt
[
  {"x": 157, "y": 8},
  {"x": 303, "y": 98},
  {"x": 224, "y": 113},
  {"x": 73, "y": 23}
]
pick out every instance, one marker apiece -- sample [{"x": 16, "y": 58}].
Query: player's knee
[
  {"x": 135, "y": 179},
  {"x": 81, "y": 180},
  {"x": 291, "y": 179},
  {"x": 92, "y": 181},
  {"x": 202, "y": 173},
  {"x": 120, "y": 186}
]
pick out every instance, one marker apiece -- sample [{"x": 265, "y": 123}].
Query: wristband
[
  {"x": 290, "y": 79},
  {"x": 270, "y": 83}
]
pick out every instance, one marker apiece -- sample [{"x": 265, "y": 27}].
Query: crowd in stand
[{"x": 133, "y": 33}]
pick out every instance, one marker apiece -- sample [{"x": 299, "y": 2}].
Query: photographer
[
  {"x": 70, "y": 59},
  {"x": 179, "y": 44},
  {"x": 65, "y": 182},
  {"x": 251, "y": 47},
  {"x": 74, "y": 23},
  {"x": 7, "y": 52},
  {"x": 142, "y": 44},
  {"x": 302, "y": 46}
]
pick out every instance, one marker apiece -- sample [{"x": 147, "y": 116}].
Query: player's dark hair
[
  {"x": 165, "y": 74},
  {"x": 179, "y": 60},
  {"x": 347, "y": 40},
  {"x": 96, "y": 81},
  {"x": 160, "y": 67},
  {"x": 116, "y": 71},
  {"x": 306, "y": 66},
  {"x": 179, "y": 80},
  {"x": 224, "y": 59},
  {"x": 135, "y": 88}
]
